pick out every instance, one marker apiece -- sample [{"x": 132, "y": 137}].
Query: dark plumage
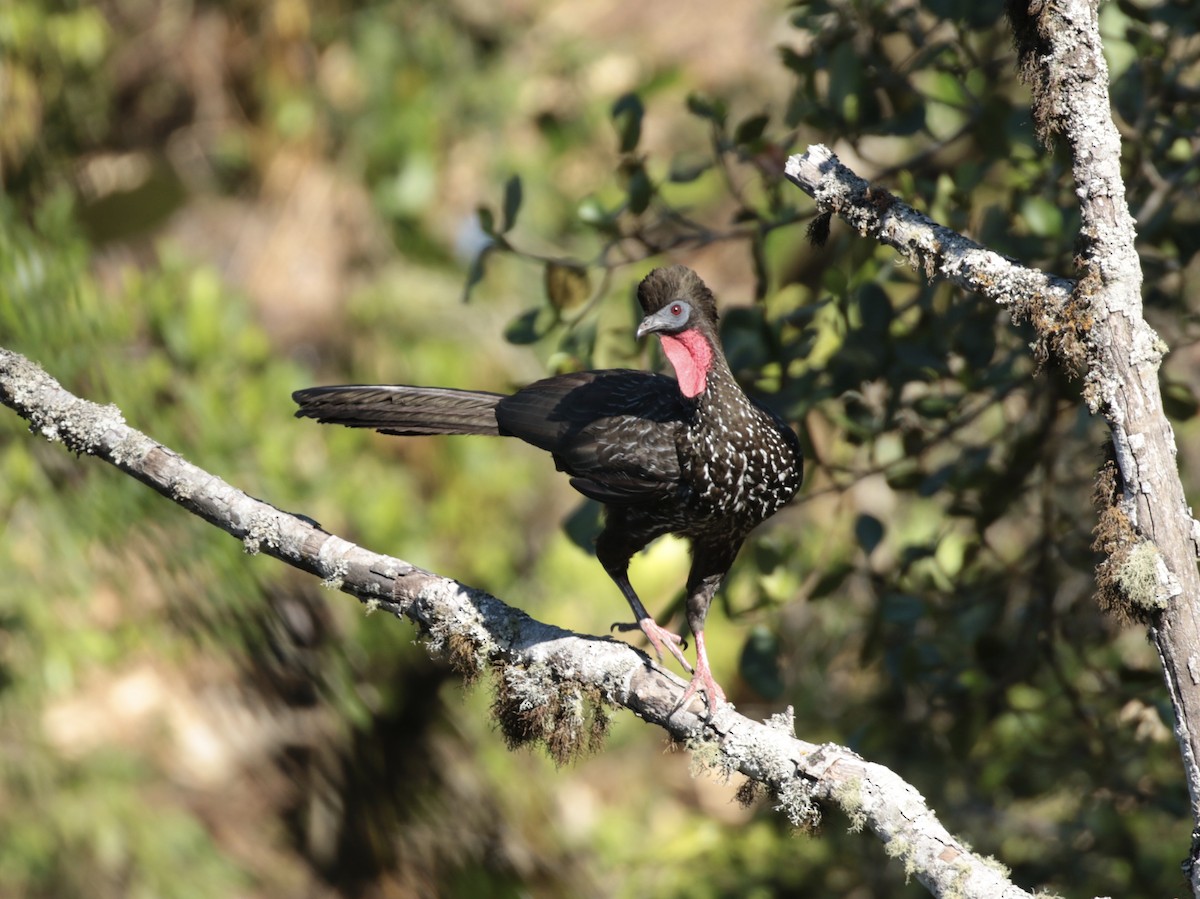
[{"x": 691, "y": 455}]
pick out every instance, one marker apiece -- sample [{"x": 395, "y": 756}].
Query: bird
[{"x": 692, "y": 455}]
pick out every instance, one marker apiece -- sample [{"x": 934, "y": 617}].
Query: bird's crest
[{"x": 676, "y": 282}]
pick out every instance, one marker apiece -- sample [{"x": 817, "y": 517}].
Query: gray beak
[{"x": 662, "y": 320}]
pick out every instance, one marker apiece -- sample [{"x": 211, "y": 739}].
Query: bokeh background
[{"x": 210, "y": 204}]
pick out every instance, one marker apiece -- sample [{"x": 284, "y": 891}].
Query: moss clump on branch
[{"x": 533, "y": 706}]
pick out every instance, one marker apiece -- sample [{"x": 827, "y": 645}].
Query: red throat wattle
[{"x": 691, "y": 356}]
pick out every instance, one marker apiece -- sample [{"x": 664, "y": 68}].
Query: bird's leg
[
  {"x": 702, "y": 679},
  {"x": 615, "y": 546},
  {"x": 660, "y": 638},
  {"x": 708, "y": 570}
]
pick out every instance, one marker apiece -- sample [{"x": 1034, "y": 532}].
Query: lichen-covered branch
[
  {"x": 553, "y": 685},
  {"x": 929, "y": 247},
  {"x": 1062, "y": 56},
  {"x": 1093, "y": 326}
]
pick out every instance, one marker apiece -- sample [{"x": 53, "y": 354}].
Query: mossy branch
[
  {"x": 1094, "y": 327},
  {"x": 554, "y": 685}
]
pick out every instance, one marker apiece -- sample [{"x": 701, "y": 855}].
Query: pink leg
[
  {"x": 660, "y": 638},
  {"x": 702, "y": 679}
]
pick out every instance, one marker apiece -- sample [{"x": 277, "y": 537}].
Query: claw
[
  {"x": 660, "y": 638},
  {"x": 626, "y": 626},
  {"x": 702, "y": 679}
]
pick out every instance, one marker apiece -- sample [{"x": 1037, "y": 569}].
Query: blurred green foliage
[{"x": 210, "y": 205}]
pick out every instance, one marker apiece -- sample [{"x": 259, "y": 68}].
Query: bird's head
[
  {"x": 674, "y": 299},
  {"x": 682, "y": 311}
]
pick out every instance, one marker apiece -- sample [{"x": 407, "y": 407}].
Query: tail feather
[{"x": 403, "y": 410}]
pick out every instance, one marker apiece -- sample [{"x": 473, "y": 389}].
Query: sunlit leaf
[
  {"x": 1044, "y": 218},
  {"x": 566, "y": 284},
  {"x": 684, "y": 170},
  {"x": 904, "y": 475},
  {"x": 936, "y": 406},
  {"x": 593, "y": 213}
]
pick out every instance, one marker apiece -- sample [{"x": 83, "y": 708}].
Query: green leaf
[
  {"x": 641, "y": 190},
  {"x": 487, "y": 221},
  {"x": 948, "y": 88},
  {"x": 627, "y": 113},
  {"x": 902, "y": 608},
  {"x": 935, "y": 481},
  {"x": 751, "y": 129},
  {"x": 566, "y": 284},
  {"x": 684, "y": 170},
  {"x": 904, "y": 475},
  {"x": 869, "y": 531},
  {"x": 833, "y": 577},
  {"x": 762, "y": 277},
  {"x": 530, "y": 326},
  {"x": 846, "y": 73},
  {"x": 512, "y": 202},
  {"x": 584, "y": 525},
  {"x": 592, "y": 213},
  {"x": 875, "y": 310},
  {"x": 801, "y": 65},
  {"x": 935, "y": 406},
  {"x": 1179, "y": 400},
  {"x": 475, "y": 273},
  {"x": 1043, "y": 217},
  {"x": 707, "y": 108},
  {"x": 911, "y": 555}
]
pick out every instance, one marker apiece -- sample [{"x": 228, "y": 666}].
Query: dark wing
[{"x": 613, "y": 431}]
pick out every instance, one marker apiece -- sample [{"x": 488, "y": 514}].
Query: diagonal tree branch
[
  {"x": 929, "y": 247},
  {"x": 1095, "y": 327},
  {"x": 545, "y": 673}
]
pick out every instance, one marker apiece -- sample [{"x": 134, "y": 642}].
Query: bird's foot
[
  {"x": 660, "y": 638},
  {"x": 702, "y": 679}
]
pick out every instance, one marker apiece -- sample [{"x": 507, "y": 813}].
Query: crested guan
[{"x": 692, "y": 456}]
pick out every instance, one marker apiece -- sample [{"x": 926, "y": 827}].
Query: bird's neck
[{"x": 693, "y": 358}]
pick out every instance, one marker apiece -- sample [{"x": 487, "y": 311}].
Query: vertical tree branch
[
  {"x": 1095, "y": 326},
  {"x": 1063, "y": 59}
]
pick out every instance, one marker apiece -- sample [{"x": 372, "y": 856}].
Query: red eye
[{"x": 677, "y": 309}]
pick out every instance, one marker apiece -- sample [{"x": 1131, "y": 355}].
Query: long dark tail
[{"x": 398, "y": 409}]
